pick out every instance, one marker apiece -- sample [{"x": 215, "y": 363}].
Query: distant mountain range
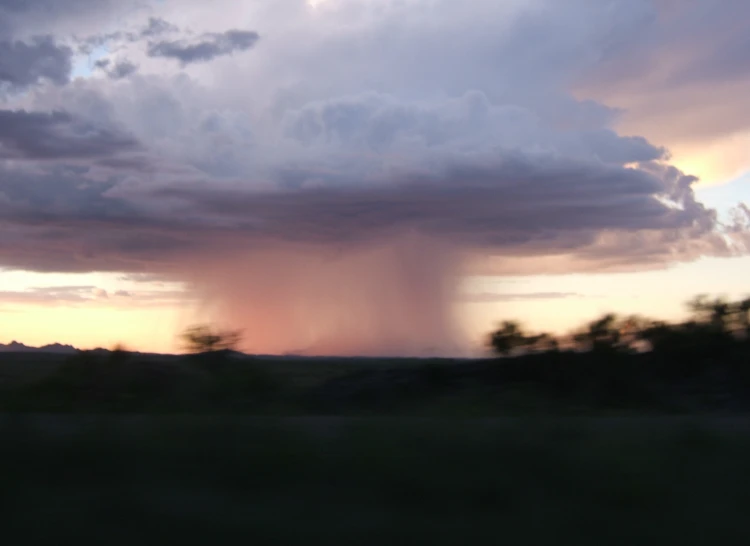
[
  {"x": 60, "y": 349},
  {"x": 56, "y": 348}
]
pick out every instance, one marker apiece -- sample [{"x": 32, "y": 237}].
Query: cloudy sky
[{"x": 366, "y": 176}]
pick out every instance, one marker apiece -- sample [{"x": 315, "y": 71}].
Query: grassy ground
[
  {"x": 553, "y": 384},
  {"x": 215, "y": 480}
]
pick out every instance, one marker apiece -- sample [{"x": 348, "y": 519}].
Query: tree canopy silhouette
[
  {"x": 205, "y": 339},
  {"x": 715, "y": 326}
]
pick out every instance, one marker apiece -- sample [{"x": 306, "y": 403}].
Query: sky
[{"x": 366, "y": 176}]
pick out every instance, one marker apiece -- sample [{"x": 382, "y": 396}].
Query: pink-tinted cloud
[{"x": 681, "y": 76}]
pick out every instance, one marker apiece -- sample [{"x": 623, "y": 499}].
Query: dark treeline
[
  {"x": 702, "y": 363},
  {"x": 715, "y": 327},
  {"x": 612, "y": 363}
]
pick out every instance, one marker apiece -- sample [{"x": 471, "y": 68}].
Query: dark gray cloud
[
  {"x": 553, "y": 204},
  {"x": 63, "y": 219},
  {"x": 613, "y": 148},
  {"x": 156, "y": 27},
  {"x": 15, "y": 5},
  {"x": 58, "y": 135},
  {"x": 699, "y": 41},
  {"x": 205, "y": 47},
  {"x": 55, "y": 7},
  {"x": 118, "y": 70},
  {"x": 62, "y": 18},
  {"x": 380, "y": 123},
  {"x": 520, "y": 207},
  {"x": 30, "y": 197},
  {"x": 23, "y": 64}
]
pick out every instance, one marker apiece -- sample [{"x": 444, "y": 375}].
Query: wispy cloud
[
  {"x": 205, "y": 47},
  {"x": 118, "y": 69},
  {"x": 90, "y": 295},
  {"x": 490, "y": 297}
]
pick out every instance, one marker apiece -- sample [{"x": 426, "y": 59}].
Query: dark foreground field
[
  {"x": 219, "y": 480},
  {"x": 118, "y": 448}
]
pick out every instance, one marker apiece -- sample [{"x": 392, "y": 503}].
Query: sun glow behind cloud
[{"x": 717, "y": 162}]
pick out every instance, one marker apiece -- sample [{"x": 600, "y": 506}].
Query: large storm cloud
[{"x": 356, "y": 161}]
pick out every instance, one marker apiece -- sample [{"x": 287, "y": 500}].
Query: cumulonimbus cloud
[
  {"x": 473, "y": 167},
  {"x": 358, "y": 156}
]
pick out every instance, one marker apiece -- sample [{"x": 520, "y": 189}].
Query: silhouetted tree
[
  {"x": 508, "y": 338},
  {"x": 544, "y": 343},
  {"x": 699, "y": 305},
  {"x": 601, "y": 334},
  {"x": 674, "y": 341},
  {"x": 631, "y": 332},
  {"x": 719, "y": 314},
  {"x": 204, "y": 339},
  {"x": 744, "y": 315}
]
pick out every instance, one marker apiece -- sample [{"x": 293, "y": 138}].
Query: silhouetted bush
[{"x": 205, "y": 339}]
